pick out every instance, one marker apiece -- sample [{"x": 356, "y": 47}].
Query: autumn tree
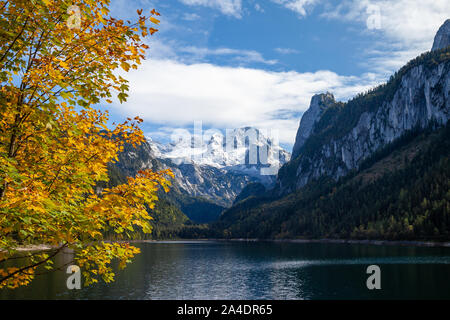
[{"x": 58, "y": 60}]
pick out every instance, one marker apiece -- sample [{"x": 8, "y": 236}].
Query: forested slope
[{"x": 401, "y": 192}]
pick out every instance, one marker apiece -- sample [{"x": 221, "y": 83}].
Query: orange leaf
[{"x": 155, "y": 21}]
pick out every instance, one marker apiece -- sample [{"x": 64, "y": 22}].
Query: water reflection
[{"x": 261, "y": 270}]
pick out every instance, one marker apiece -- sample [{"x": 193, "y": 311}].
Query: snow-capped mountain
[
  {"x": 245, "y": 150},
  {"x": 208, "y": 175}
]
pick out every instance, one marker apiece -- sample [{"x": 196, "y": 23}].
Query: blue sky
[{"x": 234, "y": 63}]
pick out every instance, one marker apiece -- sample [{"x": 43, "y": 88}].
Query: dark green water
[{"x": 262, "y": 270}]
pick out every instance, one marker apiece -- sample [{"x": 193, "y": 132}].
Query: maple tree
[{"x": 57, "y": 61}]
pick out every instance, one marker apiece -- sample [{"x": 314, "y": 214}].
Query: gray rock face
[
  {"x": 442, "y": 38},
  {"x": 213, "y": 178},
  {"x": 244, "y": 151},
  {"x": 317, "y": 106},
  {"x": 217, "y": 185},
  {"x": 421, "y": 97}
]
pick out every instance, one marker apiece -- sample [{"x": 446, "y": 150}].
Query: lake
[{"x": 262, "y": 270}]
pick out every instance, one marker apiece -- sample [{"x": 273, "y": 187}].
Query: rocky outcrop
[
  {"x": 217, "y": 185},
  {"x": 442, "y": 38},
  {"x": 319, "y": 103}
]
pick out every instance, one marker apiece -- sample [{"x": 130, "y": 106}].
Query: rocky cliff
[
  {"x": 191, "y": 180},
  {"x": 375, "y": 167},
  {"x": 337, "y": 137},
  {"x": 218, "y": 173},
  {"x": 319, "y": 103},
  {"x": 442, "y": 38}
]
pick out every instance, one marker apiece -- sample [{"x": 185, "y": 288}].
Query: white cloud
[
  {"x": 387, "y": 60},
  {"x": 227, "y": 7},
  {"x": 299, "y": 6},
  {"x": 244, "y": 56},
  {"x": 174, "y": 94},
  {"x": 163, "y": 133},
  {"x": 170, "y": 49},
  {"x": 407, "y": 21},
  {"x": 258, "y": 7},
  {"x": 162, "y": 49},
  {"x": 174, "y": 88},
  {"x": 286, "y": 51},
  {"x": 190, "y": 16},
  {"x": 406, "y": 27}
]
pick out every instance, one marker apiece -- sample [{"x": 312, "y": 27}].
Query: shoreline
[
  {"x": 405, "y": 243},
  {"x": 31, "y": 248},
  {"x": 402, "y": 243}
]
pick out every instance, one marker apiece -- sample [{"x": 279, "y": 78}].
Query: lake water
[{"x": 262, "y": 270}]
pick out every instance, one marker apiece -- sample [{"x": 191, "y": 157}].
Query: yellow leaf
[
  {"x": 155, "y": 21},
  {"x": 125, "y": 66},
  {"x": 64, "y": 65}
]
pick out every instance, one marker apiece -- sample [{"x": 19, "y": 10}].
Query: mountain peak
[
  {"x": 322, "y": 98},
  {"x": 319, "y": 103},
  {"x": 442, "y": 38},
  {"x": 213, "y": 151}
]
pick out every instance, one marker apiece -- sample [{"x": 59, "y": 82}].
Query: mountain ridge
[
  {"x": 408, "y": 202},
  {"x": 375, "y": 167},
  {"x": 215, "y": 152},
  {"x": 200, "y": 189},
  {"x": 348, "y": 133}
]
